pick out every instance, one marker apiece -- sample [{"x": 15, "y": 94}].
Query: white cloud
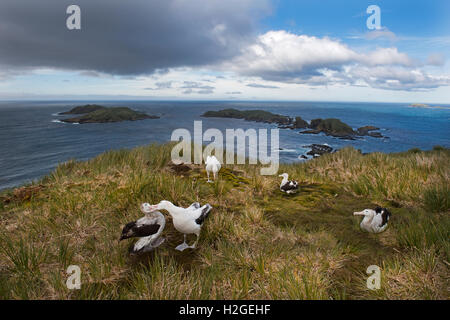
[
  {"x": 436, "y": 59},
  {"x": 386, "y": 56},
  {"x": 279, "y": 54},
  {"x": 398, "y": 78},
  {"x": 290, "y": 58},
  {"x": 383, "y": 33}
]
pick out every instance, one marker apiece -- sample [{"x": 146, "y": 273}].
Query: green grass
[{"x": 257, "y": 243}]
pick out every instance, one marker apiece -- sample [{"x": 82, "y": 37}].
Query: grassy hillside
[{"x": 256, "y": 244}]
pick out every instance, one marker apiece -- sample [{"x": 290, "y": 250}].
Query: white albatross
[
  {"x": 375, "y": 221},
  {"x": 185, "y": 220},
  {"x": 288, "y": 186},
  {"x": 147, "y": 228},
  {"x": 212, "y": 165}
]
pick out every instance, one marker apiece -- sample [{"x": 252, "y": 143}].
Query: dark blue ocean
[{"x": 33, "y": 142}]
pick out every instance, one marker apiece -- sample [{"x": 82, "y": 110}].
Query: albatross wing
[{"x": 204, "y": 214}]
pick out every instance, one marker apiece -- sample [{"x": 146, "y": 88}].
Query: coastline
[{"x": 35, "y": 144}]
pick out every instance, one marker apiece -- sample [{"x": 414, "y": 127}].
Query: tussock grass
[{"x": 257, "y": 243}]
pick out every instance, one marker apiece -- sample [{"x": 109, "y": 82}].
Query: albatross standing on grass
[
  {"x": 288, "y": 186},
  {"x": 212, "y": 165},
  {"x": 185, "y": 220},
  {"x": 375, "y": 221},
  {"x": 147, "y": 228}
]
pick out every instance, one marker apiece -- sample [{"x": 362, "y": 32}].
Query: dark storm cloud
[{"x": 125, "y": 37}]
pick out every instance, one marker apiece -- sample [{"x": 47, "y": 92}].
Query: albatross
[
  {"x": 288, "y": 186},
  {"x": 212, "y": 165},
  {"x": 185, "y": 220},
  {"x": 375, "y": 221},
  {"x": 147, "y": 228}
]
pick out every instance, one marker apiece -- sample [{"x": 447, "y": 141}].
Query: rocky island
[
  {"x": 330, "y": 127},
  {"x": 100, "y": 114},
  {"x": 84, "y": 109},
  {"x": 426, "y": 106},
  {"x": 249, "y": 115}
]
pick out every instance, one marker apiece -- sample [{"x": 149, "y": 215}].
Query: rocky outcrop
[
  {"x": 330, "y": 127},
  {"x": 318, "y": 149},
  {"x": 368, "y": 131}
]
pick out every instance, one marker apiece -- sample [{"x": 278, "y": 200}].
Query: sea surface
[{"x": 33, "y": 141}]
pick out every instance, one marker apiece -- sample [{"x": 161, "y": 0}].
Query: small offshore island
[
  {"x": 92, "y": 113},
  {"x": 426, "y": 106},
  {"x": 330, "y": 127}
]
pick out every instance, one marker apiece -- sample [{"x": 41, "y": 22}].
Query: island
[
  {"x": 84, "y": 109},
  {"x": 249, "y": 115},
  {"x": 426, "y": 106},
  {"x": 103, "y": 115},
  {"x": 331, "y": 127}
]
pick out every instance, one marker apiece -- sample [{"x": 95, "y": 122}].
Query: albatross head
[
  {"x": 369, "y": 213},
  {"x": 148, "y": 208},
  {"x": 284, "y": 175}
]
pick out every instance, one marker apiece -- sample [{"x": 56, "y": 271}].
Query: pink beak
[
  {"x": 359, "y": 213},
  {"x": 146, "y": 208}
]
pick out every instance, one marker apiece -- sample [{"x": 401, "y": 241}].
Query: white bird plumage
[
  {"x": 148, "y": 228},
  {"x": 186, "y": 220},
  {"x": 288, "y": 186},
  {"x": 212, "y": 165},
  {"x": 375, "y": 221}
]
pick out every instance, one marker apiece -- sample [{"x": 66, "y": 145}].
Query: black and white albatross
[
  {"x": 375, "y": 221},
  {"x": 288, "y": 186},
  {"x": 147, "y": 228},
  {"x": 185, "y": 220}
]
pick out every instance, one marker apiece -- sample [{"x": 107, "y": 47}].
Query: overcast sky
[{"x": 223, "y": 50}]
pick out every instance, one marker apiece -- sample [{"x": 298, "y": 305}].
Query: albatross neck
[{"x": 171, "y": 208}]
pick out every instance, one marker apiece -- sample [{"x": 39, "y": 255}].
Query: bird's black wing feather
[
  {"x": 385, "y": 214},
  {"x": 145, "y": 230},
  {"x": 290, "y": 185}
]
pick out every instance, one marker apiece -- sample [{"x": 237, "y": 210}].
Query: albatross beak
[
  {"x": 147, "y": 208},
  {"x": 359, "y": 213}
]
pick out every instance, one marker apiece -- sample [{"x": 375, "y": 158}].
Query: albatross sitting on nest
[
  {"x": 375, "y": 221},
  {"x": 185, "y": 220},
  {"x": 288, "y": 186},
  {"x": 212, "y": 165},
  {"x": 147, "y": 228}
]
